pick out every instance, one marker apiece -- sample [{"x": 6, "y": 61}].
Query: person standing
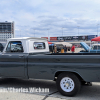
[
  {"x": 55, "y": 49},
  {"x": 65, "y": 49},
  {"x": 73, "y": 48}
]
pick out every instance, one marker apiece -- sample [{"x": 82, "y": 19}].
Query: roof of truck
[{"x": 26, "y": 38}]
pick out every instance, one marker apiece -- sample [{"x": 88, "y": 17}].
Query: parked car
[{"x": 89, "y": 49}]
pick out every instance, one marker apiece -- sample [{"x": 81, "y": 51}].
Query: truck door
[{"x": 12, "y": 61}]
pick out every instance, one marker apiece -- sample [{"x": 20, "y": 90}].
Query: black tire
[{"x": 68, "y": 84}]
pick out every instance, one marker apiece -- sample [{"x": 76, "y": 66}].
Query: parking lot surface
[{"x": 86, "y": 93}]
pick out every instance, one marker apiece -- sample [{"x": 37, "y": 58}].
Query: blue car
[{"x": 88, "y": 49}]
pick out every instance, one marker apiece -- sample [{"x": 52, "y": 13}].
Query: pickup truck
[{"x": 31, "y": 59}]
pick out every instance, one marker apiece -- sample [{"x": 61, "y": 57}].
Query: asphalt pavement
[{"x": 86, "y": 93}]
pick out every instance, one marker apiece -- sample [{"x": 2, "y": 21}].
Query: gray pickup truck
[{"x": 28, "y": 58}]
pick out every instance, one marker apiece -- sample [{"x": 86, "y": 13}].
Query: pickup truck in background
[{"x": 28, "y": 58}]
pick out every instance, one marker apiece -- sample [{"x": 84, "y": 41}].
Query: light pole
[
  {"x": 66, "y": 25},
  {"x": 97, "y": 29},
  {"x": 62, "y": 31},
  {"x": 20, "y": 33},
  {"x": 34, "y": 32},
  {"x": 48, "y": 34},
  {"x": 78, "y": 30}
]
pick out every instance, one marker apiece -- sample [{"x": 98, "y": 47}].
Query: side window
[
  {"x": 95, "y": 48},
  {"x": 14, "y": 46},
  {"x": 99, "y": 47},
  {"x": 39, "y": 45}
]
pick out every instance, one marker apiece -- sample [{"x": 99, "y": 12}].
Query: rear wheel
[{"x": 68, "y": 84}]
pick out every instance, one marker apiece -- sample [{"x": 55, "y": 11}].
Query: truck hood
[{"x": 85, "y": 46}]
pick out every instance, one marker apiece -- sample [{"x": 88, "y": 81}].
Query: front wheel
[{"x": 68, "y": 84}]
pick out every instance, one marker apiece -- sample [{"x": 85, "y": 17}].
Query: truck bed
[{"x": 87, "y": 53}]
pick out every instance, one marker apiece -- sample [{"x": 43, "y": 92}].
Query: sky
[{"x": 52, "y": 18}]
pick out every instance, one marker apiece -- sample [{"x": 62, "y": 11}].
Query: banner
[
  {"x": 85, "y": 38},
  {"x": 67, "y": 38},
  {"x": 45, "y": 37},
  {"x": 53, "y": 38},
  {"x": 91, "y": 37},
  {"x": 60, "y": 38},
  {"x": 75, "y": 38}
]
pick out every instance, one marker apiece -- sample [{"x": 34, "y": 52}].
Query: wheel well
[{"x": 59, "y": 72}]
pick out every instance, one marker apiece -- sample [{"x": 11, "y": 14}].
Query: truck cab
[{"x": 13, "y": 58}]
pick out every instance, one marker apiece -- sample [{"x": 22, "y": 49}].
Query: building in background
[{"x": 6, "y": 30}]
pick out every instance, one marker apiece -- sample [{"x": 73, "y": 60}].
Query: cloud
[{"x": 42, "y": 15}]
